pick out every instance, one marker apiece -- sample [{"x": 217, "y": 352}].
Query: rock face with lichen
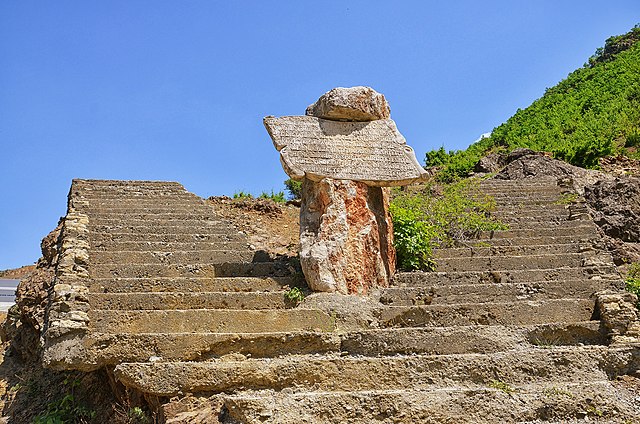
[{"x": 346, "y": 236}]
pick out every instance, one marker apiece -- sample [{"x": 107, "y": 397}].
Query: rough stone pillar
[
  {"x": 347, "y": 151},
  {"x": 346, "y": 236}
]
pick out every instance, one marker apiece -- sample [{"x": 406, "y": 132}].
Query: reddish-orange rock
[{"x": 346, "y": 236}]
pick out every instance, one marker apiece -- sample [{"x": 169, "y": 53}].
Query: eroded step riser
[
  {"x": 479, "y": 293},
  {"x": 511, "y": 313},
  {"x": 159, "y": 246},
  {"x": 169, "y": 228},
  {"x": 380, "y": 342},
  {"x": 583, "y": 230},
  {"x": 467, "y": 252},
  {"x": 529, "y": 241},
  {"x": 214, "y": 321},
  {"x": 181, "y": 300},
  {"x": 137, "y": 217},
  {"x": 176, "y": 257},
  {"x": 517, "y": 262},
  {"x": 347, "y": 374},
  {"x": 160, "y": 220},
  {"x": 224, "y": 284},
  {"x": 257, "y": 269},
  {"x": 532, "y": 224},
  {"x": 140, "y": 205},
  {"x": 505, "y": 276},
  {"x": 186, "y": 237}
]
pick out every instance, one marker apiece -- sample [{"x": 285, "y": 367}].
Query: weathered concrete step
[
  {"x": 565, "y": 402},
  {"x": 491, "y": 263},
  {"x": 498, "y": 292},
  {"x": 591, "y": 238},
  {"x": 185, "y": 237},
  {"x": 138, "y": 347},
  {"x": 121, "y": 199},
  {"x": 585, "y": 229},
  {"x": 530, "y": 249},
  {"x": 489, "y": 313},
  {"x": 174, "y": 257},
  {"x": 152, "y": 227},
  {"x": 80, "y": 183},
  {"x": 417, "y": 279},
  {"x": 181, "y": 300},
  {"x": 195, "y": 284},
  {"x": 160, "y": 246},
  {"x": 139, "y": 205},
  {"x": 564, "y": 224},
  {"x": 160, "y": 220},
  {"x": 516, "y": 198},
  {"x": 210, "y": 320},
  {"x": 257, "y": 269},
  {"x": 556, "y": 365},
  {"x": 162, "y": 209},
  {"x": 136, "y": 217}
]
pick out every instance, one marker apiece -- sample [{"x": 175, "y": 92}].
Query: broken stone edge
[
  {"x": 299, "y": 174},
  {"x": 67, "y": 314}
]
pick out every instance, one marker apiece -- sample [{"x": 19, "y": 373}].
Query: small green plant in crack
[
  {"x": 502, "y": 386},
  {"x": 567, "y": 199},
  {"x": 546, "y": 341},
  {"x": 632, "y": 281},
  {"x": 66, "y": 409},
  {"x": 594, "y": 411},
  {"x": 557, "y": 392},
  {"x": 138, "y": 416},
  {"x": 293, "y": 296}
]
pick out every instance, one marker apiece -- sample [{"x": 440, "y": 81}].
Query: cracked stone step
[
  {"x": 526, "y": 241},
  {"x": 195, "y": 284},
  {"x": 489, "y": 313},
  {"x": 565, "y": 402},
  {"x": 139, "y": 205},
  {"x": 532, "y": 224},
  {"x": 210, "y": 320},
  {"x": 184, "y": 237},
  {"x": 497, "y": 292},
  {"x": 175, "y": 257},
  {"x": 577, "y": 231},
  {"x": 231, "y": 269},
  {"x": 416, "y": 279},
  {"x": 182, "y": 300},
  {"x": 160, "y": 246},
  {"x": 558, "y": 365},
  {"x": 136, "y": 218},
  {"x": 158, "y": 227},
  {"x": 162, "y": 221},
  {"x": 139, "y": 347},
  {"x": 466, "y": 252},
  {"x": 490, "y": 263}
]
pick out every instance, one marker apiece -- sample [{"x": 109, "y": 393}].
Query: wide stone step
[
  {"x": 533, "y": 224},
  {"x": 134, "y": 218},
  {"x": 497, "y": 292},
  {"x": 467, "y": 252},
  {"x": 184, "y": 237},
  {"x": 556, "y": 365},
  {"x": 489, "y": 313},
  {"x": 175, "y": 257},
  {"x": 168, "y": 210},
  {"x": 591, "y": 238},
  {"x": 160, "y": 246},
  {"x": 578, "y": 231},
  {"x": 139, "y": 347},
  {"x": 209, "y": 270},
  {"x": 194, "y": 284},
  {"x": 210, "y": 320},
  {"x": 417, "y": 279},
  {"x": 160, "y": 220},
  {"x": 565, "y": 402},
  {"x": 490, "y": 263},
  {"x": 158, "y": 227},
  {"x": 180, "y": 300},
  {"x": 139, "y": 204}
]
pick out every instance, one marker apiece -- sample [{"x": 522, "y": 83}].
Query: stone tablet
[{"x": 372, "y": 152}]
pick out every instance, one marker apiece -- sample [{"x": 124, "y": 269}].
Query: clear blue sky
[{"x": 176, "y": 90}]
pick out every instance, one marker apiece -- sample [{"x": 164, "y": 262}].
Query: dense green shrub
[
  {"x": 294, "y": 188},
  {"x": 436, "y": 216}
]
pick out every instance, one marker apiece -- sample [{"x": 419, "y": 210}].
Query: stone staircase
[{"x": 506, "y": 329}]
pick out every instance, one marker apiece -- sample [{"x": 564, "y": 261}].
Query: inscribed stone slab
[{"x": 372, "y": 152}]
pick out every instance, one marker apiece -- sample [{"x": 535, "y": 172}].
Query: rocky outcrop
[
  {"x": 616, "y": 205},
  {"x": 346, "y": 236},
  {"x": 356, "y": 104}
]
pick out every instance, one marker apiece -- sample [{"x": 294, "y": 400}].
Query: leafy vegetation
[
  {"x": 276, "y": 197},
  {"x": 66, "y": 409},
  {"x": 294, "y": 188},
  {"x": 593, "y": 113},
  {"x": 294, "y": 296},
  {"x": 437, "y": 216},
  {"x": 242, "y": 195},
  {"x": 633, "y": 281}
]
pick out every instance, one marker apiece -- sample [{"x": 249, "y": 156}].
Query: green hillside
[{"x": 594, "y": 112}]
